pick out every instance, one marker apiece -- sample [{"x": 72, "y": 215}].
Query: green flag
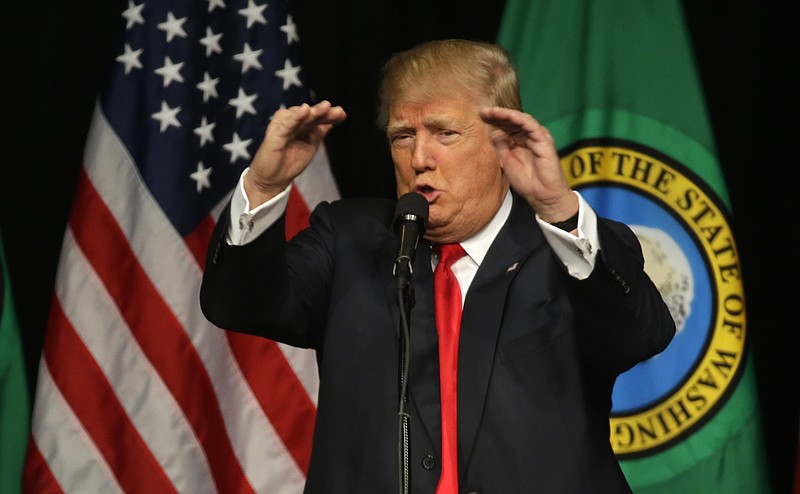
[
  {"x": 14, "y": 400},
  {"x": 616, "y": 83}
]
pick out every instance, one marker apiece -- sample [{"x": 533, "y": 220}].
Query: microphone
[{"x": 411, "y": 219}]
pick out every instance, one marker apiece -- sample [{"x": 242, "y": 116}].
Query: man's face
[{"x": 443, "y": 151}]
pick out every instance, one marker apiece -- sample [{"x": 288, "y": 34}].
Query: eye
[
  {"x": 446, "y": 135},
  {"x": 400, "y": 139}
]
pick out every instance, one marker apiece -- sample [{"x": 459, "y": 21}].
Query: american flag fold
[{"x": 136, "y": 391}]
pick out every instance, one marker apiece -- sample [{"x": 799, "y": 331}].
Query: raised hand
[
  {"x": 292, "y": 138},
  {"x": 529, "y": 160}
]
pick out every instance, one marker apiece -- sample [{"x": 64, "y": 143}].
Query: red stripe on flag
[
  {"x": 297, "y": 213},
  {"x": 279, "y": 391},
  {"x": 197, "y": 240},
  {"x": 37, "y": 477},
  {"x": 75, "y": 372},
  {"x": 155, "y": 327}
]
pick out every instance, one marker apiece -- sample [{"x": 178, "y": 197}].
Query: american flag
[{"x": 136, "y": 391}]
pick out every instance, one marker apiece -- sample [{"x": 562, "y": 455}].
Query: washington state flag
[{"x": 616, "y": 83}]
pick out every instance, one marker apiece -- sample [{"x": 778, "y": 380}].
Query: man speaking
[{"x": 527, "y": 306}]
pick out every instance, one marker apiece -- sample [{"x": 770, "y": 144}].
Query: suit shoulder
[{"x": 359, "y": 209}]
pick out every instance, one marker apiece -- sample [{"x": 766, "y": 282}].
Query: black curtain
[{"x": 55, "y": 55}]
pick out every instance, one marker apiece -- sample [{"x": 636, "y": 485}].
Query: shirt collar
[{"x": 478, "y": 245}]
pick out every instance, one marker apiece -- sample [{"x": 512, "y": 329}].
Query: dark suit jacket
[{"x": 539, "y": 350}]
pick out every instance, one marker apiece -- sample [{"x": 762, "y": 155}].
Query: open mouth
[{"x": 428, "y": 192}]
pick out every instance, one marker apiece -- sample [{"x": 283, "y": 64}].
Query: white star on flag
[
  {"x": 243, "y": 103},
  {"x": 130, "y": 59},
  {"x": 170, "y": 71},
  {"x": 208, "y": 86},
  {"x": 289, "y": 74},
  {"x": 249, "y": 58},
  {"x": 238, "y": 148},
  {"x": 173, "y": 27},
  {"x": 290, "y": 28},
  {"x": 167, "y": 116},
  {"x": 205, "y": 131},
  {"x": 133, "y": 14},
  {"x": 211, "y": 42},
  {"x": 201, "y": 176},
  {"x": 254, "y": 13}
]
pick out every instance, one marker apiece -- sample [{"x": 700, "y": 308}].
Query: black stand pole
[
  {"x": 411, "y": 215},
  {"x": 405, "y": 301}
]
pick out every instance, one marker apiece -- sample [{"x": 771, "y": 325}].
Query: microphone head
[{"x": 414, "y": 207}]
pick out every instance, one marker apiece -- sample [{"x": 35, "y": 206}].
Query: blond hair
[{"x": 446, "y": 67}]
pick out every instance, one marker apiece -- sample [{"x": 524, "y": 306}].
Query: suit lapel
[{"x": 483, "y": 315}]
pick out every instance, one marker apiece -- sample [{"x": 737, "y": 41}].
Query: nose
[{"x": 422, "y": 158}]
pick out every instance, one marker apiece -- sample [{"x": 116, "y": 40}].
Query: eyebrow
[
  {"x": 437, "y": 121},
  {"x": 391, "y": 129}
]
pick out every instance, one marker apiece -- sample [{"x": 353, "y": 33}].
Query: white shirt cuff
[
  {"x": 577, "y": 253},
  {"x": 247, "y": 224}
]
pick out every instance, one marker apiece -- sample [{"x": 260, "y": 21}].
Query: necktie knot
[{"x": 450, "y": 253}]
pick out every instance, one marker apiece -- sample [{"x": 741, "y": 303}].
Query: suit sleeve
[
  {"x": 627, "y": 319},
  {"x": 266, "y": 287}
]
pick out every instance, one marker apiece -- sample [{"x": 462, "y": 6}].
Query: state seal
[{"x": 691, "y": 256}]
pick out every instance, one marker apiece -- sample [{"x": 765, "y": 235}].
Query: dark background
[{"x": 55, "y": 54}]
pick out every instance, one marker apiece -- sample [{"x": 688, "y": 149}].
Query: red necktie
[{"x": 448, "y": 324}]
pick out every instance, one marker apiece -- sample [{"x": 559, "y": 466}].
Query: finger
[
  {"x": 325, "y": 113},
  {"x": 505, "y": 118},
  {"x": 300, "y": 122},
  {"x": 520, "y": 126},
  {"x": 291, "y": 122},
  {"x": 501, "y": 139}
]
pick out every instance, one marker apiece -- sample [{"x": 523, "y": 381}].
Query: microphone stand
[
  {"x": 411, "y": 215},
  {"x": 406, "y": 301}
]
